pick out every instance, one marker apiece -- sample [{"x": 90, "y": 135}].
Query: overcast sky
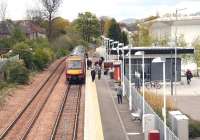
[{"x": 119, "y": 9}]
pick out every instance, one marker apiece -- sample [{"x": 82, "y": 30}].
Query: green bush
[
  {"x": 25, "y": 53},
  {"x": 42, "y": 57},
  {"x": 16, "y": 72},
  {"x": 17, "y": 35},
  {"x": 5, "y": 43},
  {"x": 194, "y": 129},
  {"x": 61, "y": 52}
]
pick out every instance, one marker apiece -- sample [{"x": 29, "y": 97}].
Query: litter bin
[{"x": 117, "y": 71}]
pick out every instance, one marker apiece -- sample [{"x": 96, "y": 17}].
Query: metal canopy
[{"x": 155, "y": 50}]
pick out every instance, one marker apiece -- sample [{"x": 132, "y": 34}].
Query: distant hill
[{"x": 129, "y": 20}]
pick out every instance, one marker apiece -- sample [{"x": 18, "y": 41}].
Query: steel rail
[
  {"x": 36, "y": 115},
  {"x": 62, "y": 106},
  {"x": 10, "y": 126},
  {"x": 75, "y": 130}
]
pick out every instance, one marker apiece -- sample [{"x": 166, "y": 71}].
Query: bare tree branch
[
  {"x": 36, "y": 15},
  {"x": 50, "y": 8},
  {"x": 3, "y": 8}
]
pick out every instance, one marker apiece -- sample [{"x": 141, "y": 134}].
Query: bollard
[
  {"x": 172, "y": 115},
  {"x": 154, "y": 135},
  {"x": 182, "y": 129}
]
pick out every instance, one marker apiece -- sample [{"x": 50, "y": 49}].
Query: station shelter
[{"x": 153, "y": 71}]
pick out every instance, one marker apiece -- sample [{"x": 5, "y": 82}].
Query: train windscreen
[{"x": 75, "y": 64}]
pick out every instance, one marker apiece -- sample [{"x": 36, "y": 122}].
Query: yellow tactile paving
[{"x": 93, "y": 127}]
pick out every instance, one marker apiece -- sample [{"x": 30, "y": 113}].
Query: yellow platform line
[{"x": 92, "y": 127}]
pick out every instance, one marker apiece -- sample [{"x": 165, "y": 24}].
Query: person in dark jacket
[
  {"x": 119, "y": 94},
  {"x": 89, "y": 63},
  {"x": 189, "y": 76},
  {"x": 93, "y": 74},
  {"x": 99, "y": 72}
]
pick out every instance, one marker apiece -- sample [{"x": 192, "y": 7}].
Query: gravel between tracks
[
  {"x": 80, "y": 135},
  {"x": 43, "y": 126},
  {"x": 20, "y": 96}
]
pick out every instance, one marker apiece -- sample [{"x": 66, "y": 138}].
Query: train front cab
[{"x": 75, "y": 71}]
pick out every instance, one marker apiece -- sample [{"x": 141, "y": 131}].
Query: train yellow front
[{"x": 75, "y": 69}]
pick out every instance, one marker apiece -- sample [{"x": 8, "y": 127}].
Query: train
[{"x": 75, "y": 66}]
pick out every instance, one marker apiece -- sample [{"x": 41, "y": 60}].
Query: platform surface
[
  {"x": 116, "y": 118},
  {"x": 92, "y": 124}
]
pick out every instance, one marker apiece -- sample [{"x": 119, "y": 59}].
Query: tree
[
  {"x": 106, "y": 26},
  {"x": 114, "y": 31},
  {"x": 124, "y": 38},
  {"x": 88, "y": 25},
  {"x": 59, "y": 26},
  {"x": 35, "y": 15},
  {"x": 144, "y": 37},
  {"x": 181, "y": 41},
  {"x": 3, "y": 8},
  {"x": 197, "y": 53},
  {"x": 50, "y": 8},
  {"x": 17, "y": 35}
]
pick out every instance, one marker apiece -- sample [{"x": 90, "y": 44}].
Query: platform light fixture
[{"x": 141, "y": 53}]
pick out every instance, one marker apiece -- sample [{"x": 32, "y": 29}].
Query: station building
[{"x": 153, "y": 71}]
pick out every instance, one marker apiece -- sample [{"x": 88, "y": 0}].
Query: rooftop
[{"x": 155, "y": 50}]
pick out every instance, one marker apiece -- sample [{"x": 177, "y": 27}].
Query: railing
[{"x": 137, "y": 101}]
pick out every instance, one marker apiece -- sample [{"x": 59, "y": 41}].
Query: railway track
[
  {"x": 66, "y": 124},
  {"x": 19, "y": 128}
]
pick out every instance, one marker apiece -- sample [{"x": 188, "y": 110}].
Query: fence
[{"x": 137, "y": 101}]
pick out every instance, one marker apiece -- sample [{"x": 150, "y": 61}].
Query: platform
[
  {"x": 92, "y": 124},
  {"x": 115, "y": 120}
]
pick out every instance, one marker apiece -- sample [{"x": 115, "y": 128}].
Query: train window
[{"x": 75, "y": 64}]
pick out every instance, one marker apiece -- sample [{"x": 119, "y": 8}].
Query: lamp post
[
  {"x": 123, "y": 82},
  {"x": 109, "y": 47},
  {"x": 141, "y": 53},
  {"x": 159, "y": 60},
  {"x": 130, "y": 79},
  {"x": 175, "y": 72},
  {"x": 121, "y": 64}
]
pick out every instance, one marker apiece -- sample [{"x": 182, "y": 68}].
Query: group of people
[{"x": 96, "y": 69}]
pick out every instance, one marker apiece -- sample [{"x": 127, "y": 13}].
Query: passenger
[
  {"x": 189, "y": 76},
  {"x": 89, "y": 63},
  {"x": 99, "y": 72},
  {"x": 93, "y": 74},
  {"x": 100, "y": 62},
  {"x": 96, "y": 67},
  {"x": 119, "y": 94}
]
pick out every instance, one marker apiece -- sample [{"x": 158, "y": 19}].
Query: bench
[{"x": 137, "y": 115}]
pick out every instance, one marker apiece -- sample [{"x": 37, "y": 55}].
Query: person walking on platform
[
  {"x": 98, "y": 70},
  {"x": 119, "y": 94},
  {"x": 189, "y": 76},
  {"x": 93, "y": 74}
]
